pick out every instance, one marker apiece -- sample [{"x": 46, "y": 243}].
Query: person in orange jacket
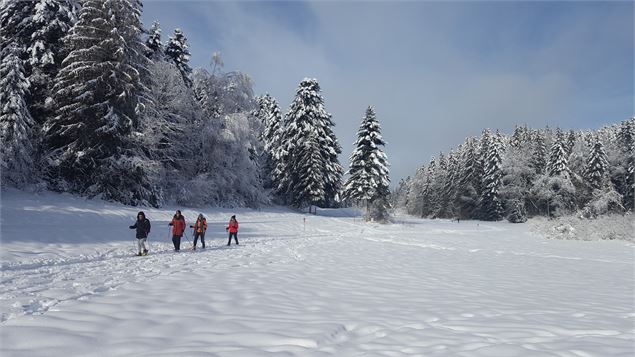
[
  {"x": 233, "y": 230},
  {"x": 199, "y": 230},
  {"x": 178, "y": 227}
]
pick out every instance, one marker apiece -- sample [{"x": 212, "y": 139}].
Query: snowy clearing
[{"x": 71, "y": 286}]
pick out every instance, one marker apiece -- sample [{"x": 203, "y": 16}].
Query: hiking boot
[
  {"x": 139, "y": 254},
  {"x": 145, "y": 252}
]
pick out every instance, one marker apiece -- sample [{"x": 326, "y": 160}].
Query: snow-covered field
[{"x": 339, "y": 287}]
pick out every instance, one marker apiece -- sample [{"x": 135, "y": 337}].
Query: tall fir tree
[
  {"x": 597, "y": 167},
  {"x": 466, "y": 196},
  {"x": 491, "y": 205},
  {"x": 99, "y": 94},
  {"x": 558, "y": 163},
  {"x": 16, "y": 124},
  {"x": 177, "y": 51},
  {"x": 271, "y": 136},
  {"x": 52, "y": 20},
  {"x": 306, "y": 117},
  {"x": 369, "y": 176},
  {"x": 539, "y": 156}
]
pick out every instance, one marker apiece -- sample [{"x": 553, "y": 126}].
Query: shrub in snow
[
  {"x": 610, "y": 226},
  {"x": 517, "y": 212},
  {"x": 603, "y": 202}
]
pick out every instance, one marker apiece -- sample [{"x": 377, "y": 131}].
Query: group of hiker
[{"x": 142, "y": 225}]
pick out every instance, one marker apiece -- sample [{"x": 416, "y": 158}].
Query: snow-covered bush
[{"x": 605, "y": 227}]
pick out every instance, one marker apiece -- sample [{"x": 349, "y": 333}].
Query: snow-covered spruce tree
[
  {"x": 466, "y": 196},
  {"x": 16, "y": 124},
  {"x": 437, "y": 182},
  {"x": 426, "y": 196},
  {"x": 445, "y": 208},
  {"x": 401, "y": 193},
  {"x": 491, "y": 208},
  {"x": 369, "y": 177},
  {"x": 602, "y": 196},
  {"x": 306, "y": 116},
  {"x": 415, "y": 190},
  {"x": 558, "y": 163},
  {"x": 153, "y": 43},
  {"x": 16, "y": 23},
  {"x": 98, "y": 95},
  {"x": 310, "y": 186},
  {"x": 570, "y": 143},
  {"x": 52, "y": 19},
  {"x": 597, "y": 167},
  {"x": 538, "y": 159},
  {"x": 269, "y": 115},
  {"x": 177, "y": 51}
]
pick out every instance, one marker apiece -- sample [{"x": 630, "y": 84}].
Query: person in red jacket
[
  {"x": 233, "y": 230},
  {"x": 178, "y": 227}
]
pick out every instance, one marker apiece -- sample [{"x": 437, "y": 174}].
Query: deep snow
[{"x": 340, "y": 287}]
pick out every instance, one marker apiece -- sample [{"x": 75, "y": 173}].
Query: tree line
[{"x": 533, "y": 172}]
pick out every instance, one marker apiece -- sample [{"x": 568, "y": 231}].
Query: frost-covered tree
[
  {"x": 306, "y": 117},
  {"x": 168, "y": 123},
  {"x": 491, "y": 205},
  {"x": 539, "y": 156},
  {"x": 177, "y": 51},
  {"x": 369, "y": 176},
  {"x": 518, "y": 175},
  {"x": 269, "y": 114},
  {"x": 554, "y": 192},
  {"x": 466, "y": 196},
  {"x": 557, "y": 164},
  {"x": 223, "y": 168},
  {"x": 16, "y": 22},
  {"x": 16, "y": 124},
  {"x": 153, "y": 42},
  {"x": 445, "y": 209},
  {"x": 98, "y": 95},
  {"x": 52, "y": 19},
  {"x": 597, "y": 167}
]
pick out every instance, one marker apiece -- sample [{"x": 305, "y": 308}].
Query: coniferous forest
[
  {"x": 96, "y": 104},
  {"x": 533, "y": 172}
]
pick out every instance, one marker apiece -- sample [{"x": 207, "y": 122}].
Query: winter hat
[{"x": 233, "y": 217}]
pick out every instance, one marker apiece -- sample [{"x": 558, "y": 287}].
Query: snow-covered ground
[{"x": 339, "y": 287}]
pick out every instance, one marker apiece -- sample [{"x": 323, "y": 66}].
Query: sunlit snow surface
[{"x": 71, "y": 286}]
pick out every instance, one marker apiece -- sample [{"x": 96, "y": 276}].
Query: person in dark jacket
[
  {"x": 199, "y": 230},
  {"x": 233, "y": 230},
  {"x": 143, "y": 229},
  {"x": 178, "y": 227}
]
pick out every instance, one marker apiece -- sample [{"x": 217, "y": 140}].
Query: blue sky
[{"x": 436, "y": 72}]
